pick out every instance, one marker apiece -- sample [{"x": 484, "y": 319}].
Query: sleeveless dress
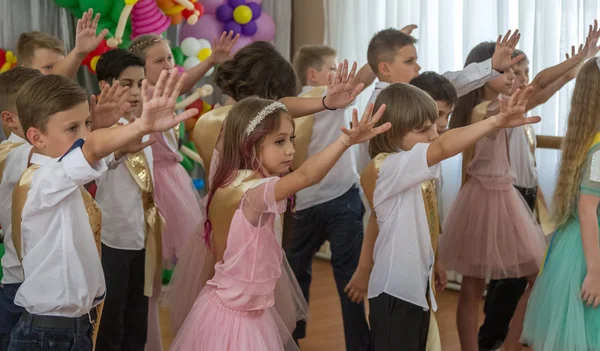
[
  {"x": 557, "y": 319},
  {"x": 175, "y": 197},
  {"x": 237, "y": 309},
  {"x": 490, "y": 232}
]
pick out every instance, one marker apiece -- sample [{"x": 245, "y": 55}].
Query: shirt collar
[
  {"x": 13, "y": 138},
  {"x": 307, "y": 88},
  {"x": 381, "y": 85},
  {"x": 39, "y": 159}
]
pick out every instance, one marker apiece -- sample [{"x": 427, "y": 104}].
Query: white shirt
[
  {"x": 63, "y": 273},
  {"x": 15, "y": 164},
  {"x": 403, "y": 256},
  {"x": 474, "y": 76},
  {"x": 343, "y": 175},
  {"x": 522, "y": 162},
  {"x": 120, "y": 198}
]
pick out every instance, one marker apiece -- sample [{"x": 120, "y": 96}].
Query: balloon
[
  {"x": 265, "y": 28},
  {"x": 249, "y": 29},
  {"x": 236, "y": 3},
  {"x": 242, "y": 41},
  {"x": 126, "y": 37},
  {"x": 204, "y": 53},
  {"x": 256, "y": 9},
  {"x": 102, "y": 7},
  {"x": 190, "y": 62},
  {"x": 115, "y": 12},
  {"x": 147, "y": 18},
  {"x": 210, "y": 6},
  {"x": 178, "y": 56},
  {"x": 180, "y": 69},
  {"x": 106, "y": 23},
  {"x": 224, "y": 13},
  {"x": 190, "y": 46},
  {"x": 207, "y": 27},
  {"x": 242, "y": 14},
  {"x": 233, "y": 26},
  {"x": 258, "y": 1},
  {"x": 67, "y": 3},
  {"x": 204, "y": 43},
  {"x": 77, "y": 12}
]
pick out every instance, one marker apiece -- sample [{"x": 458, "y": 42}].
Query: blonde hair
[
  {"x": 44, "y": 96},
  {"x": 407, "y": 108},
  {"x": 10, "y": 83},
  {"x": 581, "y": 127},
  {"x": 142, "y": 43},
  {"x": 311, "y": 56},
  {"x": 29, "y": 42}
]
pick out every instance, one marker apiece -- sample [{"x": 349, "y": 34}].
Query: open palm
[
  {"x": 502, "y": 58},
  {"x": 221, "y": 50},
  {"x": 341, "y": 91},
  {"x": 512, "y": 111},
  {"x": 109, "y": 106},
  {"x": 363, "y": 131},
  {"x": 86, "y": 39},
  {"x": 158, "y": 108}
]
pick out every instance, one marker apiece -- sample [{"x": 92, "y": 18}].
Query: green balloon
[
  {"x": 102, "y": 7},
  {"x": 187, "y": 163},
  {"x": 115, "y": 12},
  {"x": 126, "y": 38},
  {"x": 76, "y": 12},
  {"x": 106, "y": 23},
  {"x": 178, "y": 55},
  {"x": 67, "y": 3}
]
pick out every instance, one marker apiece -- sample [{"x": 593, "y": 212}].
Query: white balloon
[
  {"x": 203, "y": 43},
  {"x": 190, "y": 62},
  {"x": 190, "y": 46}
]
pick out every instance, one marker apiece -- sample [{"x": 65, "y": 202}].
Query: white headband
[
  {"x": 598, "y": 61},
  {"x": 270, "y": 108}
]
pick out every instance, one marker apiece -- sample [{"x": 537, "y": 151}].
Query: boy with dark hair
[{"x": 442, "y": 92}]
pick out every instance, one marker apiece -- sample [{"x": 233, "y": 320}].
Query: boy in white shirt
[
  {"x": 14, "y": 154},
  {"x": 397, "y": 184},
  {"x": 62, "y": 270}
]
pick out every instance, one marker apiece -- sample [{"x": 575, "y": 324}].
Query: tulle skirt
[
  {"x": 491, "y": 233},
  {"x": 179, "y": 204},
  {"x": 557, "y": 319}
]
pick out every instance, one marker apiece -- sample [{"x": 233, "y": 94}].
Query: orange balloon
[{"x": 190, "y": 123}]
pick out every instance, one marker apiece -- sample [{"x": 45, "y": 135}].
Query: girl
[
  {"x": 235, "y": 309},
  {"x": 256, "y": 70},
  {"x": 489, "y": 232},
  {"x": 562, "y": 312}
]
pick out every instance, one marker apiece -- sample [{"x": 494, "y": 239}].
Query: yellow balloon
[
  {"x": 203, "y": 54},
  {"x": 242, "y": 14},
  {"x": 94, "y": 62}
]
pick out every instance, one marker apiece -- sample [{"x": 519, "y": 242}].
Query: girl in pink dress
[
  {"x": 490, "y": 232},
  {"x": 252, "y": 302}
]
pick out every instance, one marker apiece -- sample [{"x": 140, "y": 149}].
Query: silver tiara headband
[
  {"x": 267, "y": 110},
  {"x": 598, "y": 61}
]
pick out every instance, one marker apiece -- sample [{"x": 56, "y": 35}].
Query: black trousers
[
  {"x": 502, "y": 298},
  {"x": 397, "y": 324},
  {"x": 124, "y": 322}
]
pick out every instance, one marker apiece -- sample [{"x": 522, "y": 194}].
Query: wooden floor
[{"x": 325, "y": 331}]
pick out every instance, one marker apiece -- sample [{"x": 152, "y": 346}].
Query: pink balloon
[
  {"x": 210, "y": 6},
  {"x": 256, "y": 1},
  {"x": 207, "y": 27},
  {"x": 266, "y": 28},
  {"x": 242, "y": 41}
]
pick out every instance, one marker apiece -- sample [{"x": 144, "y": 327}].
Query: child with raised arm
[
  {"x": 399, "y": 186},
  {"x": 237, "y": 309},
  {"x": 55, "y": 220}
]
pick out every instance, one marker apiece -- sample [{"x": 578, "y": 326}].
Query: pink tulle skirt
[
  {"x": 491, "y": 233},
  {"x": 179, "y": 204}
]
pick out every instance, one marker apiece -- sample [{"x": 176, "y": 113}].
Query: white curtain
[
  {"x": 281, "y": 12},
  {"x": 448, "y": 29}
]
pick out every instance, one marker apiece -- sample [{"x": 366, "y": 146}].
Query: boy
[
  {"x": 14, "y": 153},
  {"x": 63, "y": 274},
  {"x": 442, "y": 92},
  {"x": 46, "y": 53},
  {"x": 331, "y": 210},
  {"x": 129, "y": 245}
]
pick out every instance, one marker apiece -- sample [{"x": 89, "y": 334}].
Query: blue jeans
[
  {"x": 46, "y": 333},
  {"x": 340, "y": 221},
  {"x": 9, "y": 312}
]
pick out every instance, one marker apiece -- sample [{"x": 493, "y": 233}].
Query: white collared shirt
[
  {"x": 120, "y": 198},
  {"x": 343, "y": 175},
  {"x": 522, "y": 161},
  {"x": 63, "y": 273},
  {"x": 15, "y": 165},
  {"x": 403, "y": 256}
]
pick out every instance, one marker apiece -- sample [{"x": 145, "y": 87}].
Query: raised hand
[
  {"x": 512, "y": 111},
  {"x": 363, "y": 130},
  {"x": 502, "y": 58},
  {"x": 409, "y": 29},
  {"x": 221, "y": 50},
  {"x": 86, "y": 39},
  {"x": 572, "y": 73},
  {"x": 341, "y": 90},
  {"x": 158, "y": 108},
  {"x": 109, "y": 106},
  {"x": 591, "y": 43},
  {"x": 358, "y": 286}
]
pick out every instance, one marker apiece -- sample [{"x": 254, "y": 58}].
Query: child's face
[
  {"x": 11, "y": 121},
  {"x": 132, "y": 77},
  {"x": 521, "y": 71},
  {"x": 403, "y": 68},
  {"x": 277, "y": 150},
  {"x": 502, "y": 84},
  {"x": 62, "y": 130},
  {"x": 444, "y": 111},
  {"x": 44, "y": 60},
  {"x": 158, "y": 58},
  {"x": 427, "y": 134},
  {"x": 319, "y": 77}
]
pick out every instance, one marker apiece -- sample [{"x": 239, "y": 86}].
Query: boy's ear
[
  {"x": 8, "y": 119},
  {"x": 35, "y": 138},
  {"x": 383, "y": 68},
  {"x": 311, "y": 75}
]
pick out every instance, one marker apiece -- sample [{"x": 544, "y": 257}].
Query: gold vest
[
  {"x": 91, "y": 207},
  {"x": 5, "y": 149},
  {"x": 206, "y": 134},
  {"x": 138, "y": 167}
]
